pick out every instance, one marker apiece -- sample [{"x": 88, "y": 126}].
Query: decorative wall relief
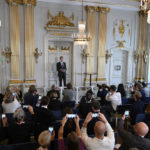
[
  {"x": 121, "y": 32},
  {"x": 60, "y": 20},
  {"x": 121, "y": 28},
  {"x": 65, "y": 48}
]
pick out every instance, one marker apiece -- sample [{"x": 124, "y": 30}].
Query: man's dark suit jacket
[
  {"x": 59, "y": 67},
  {"x": 132, "y": 141}
]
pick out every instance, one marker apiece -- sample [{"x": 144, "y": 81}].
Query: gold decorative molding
[
  {"x": 94, "y": 79},
  {"x": 101, "y": 79},
  {"x": 60, "y": 20},
  {"x": 22, "y": 2},
  {"x": 121, "y": 28},
  {"x": 30, "y": 81},
  {"x": 52, "y": 48},
  {"x": 65, "y": 48},
  {"x": 15, "y": 81},
  {"x": 61, "y": 34},
  {"x": 121, "y": 44},
  {"x": 139, "y": 78},
  {"x": 99, "y": 9},
  {"x": 107, "y": 55}
]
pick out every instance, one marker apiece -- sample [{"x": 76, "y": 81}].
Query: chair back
[{"x": 140, "y": 117}]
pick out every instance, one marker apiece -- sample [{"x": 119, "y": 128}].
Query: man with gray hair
[{"x": 99, "y": 142}]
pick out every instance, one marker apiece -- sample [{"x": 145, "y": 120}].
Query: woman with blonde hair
[{"x": 45, "y": 139}]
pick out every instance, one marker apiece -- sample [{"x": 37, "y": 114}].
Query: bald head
[
  {"x": 99, "y": 128},
  {"x": 141, "y": 129}
]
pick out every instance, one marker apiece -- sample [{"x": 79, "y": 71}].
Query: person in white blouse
[
  {"x": 99, "y": 142},
  {"x": 114, "y": 97},
  {"x": 10, "y": 103}
]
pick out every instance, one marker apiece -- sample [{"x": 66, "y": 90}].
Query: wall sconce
[
  {"x": 84, "y": 55},
  {"x": 145, "y": 57},
  {"x": 37, "y": 54},
  {"x": 107, "y": 55},
  {"x": 7, "y": 53},
  {"x": 136, "y": 56}
]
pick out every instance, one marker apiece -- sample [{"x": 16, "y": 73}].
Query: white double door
[{"x": 55, "y": 50}]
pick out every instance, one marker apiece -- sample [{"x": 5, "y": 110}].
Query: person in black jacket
[
  {"x": 61, "y": 68},
  {"x": 53, "y": 89},
  {"x": 134, "y": 140},
  {"x": 31, "y": 97},
  {"x": 43, "y": 116},
  {"x": 137, "y": 107}
]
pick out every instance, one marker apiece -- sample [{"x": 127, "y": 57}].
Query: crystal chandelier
[
  {"x": 81, "y": 38},
  {"x": 145, "y": 6}
]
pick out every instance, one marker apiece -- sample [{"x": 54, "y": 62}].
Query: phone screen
[
  {"x": 25, "y": 106},
  {"x": 3, "y": 116},
  {"x": 13, "y": 93},
  {"x": 94, "y": 115},
  {"x": 126, "y": 113},
  {"x": 40, "y": 97},
  {"x": 71, "y": 116},
  {"x": 51, "y": 129}
]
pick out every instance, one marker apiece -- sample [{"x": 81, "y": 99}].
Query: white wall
[{"x": 40, "y": 20}]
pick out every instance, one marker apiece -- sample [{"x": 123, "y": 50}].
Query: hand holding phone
[
  {"x": 94, "y": 115},
  {"x": 126, "y": 113},
  {"x": 71, "y": 116}
]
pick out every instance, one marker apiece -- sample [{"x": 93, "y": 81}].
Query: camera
[
  {"x": 51, "y": 129},
  {"x": 94, "y": 115}
]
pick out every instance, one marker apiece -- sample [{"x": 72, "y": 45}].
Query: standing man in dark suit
[{"x": 61, "y": 68}]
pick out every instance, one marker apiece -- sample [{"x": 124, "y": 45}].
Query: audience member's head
[
  {"x": 121, "y": 90},
  {"x": 138, "y": 86},
  {"x": 9, "y": 98},
  {"x": 73, "y": 142},
  {"x": 103, "y": 86},
  {"x": 45, "y": 101},
  {"x": 32, "y": 89},
  {"x": 19, "y": 115},
  {"x": 69, "y": 86},
  {"x": 53, "y": 95},
  {"x": 44, "y": 140},
  {"x": 141, "y": 129},
  {"x": 53, "y": 87},
  {"x": 99, "y": 129},
  {"x": 144, "y": 84},
  {"x": 112, "y": 88},
  {"x": 137, "y": 95},
  {"x": 89, "y": 95},
  {"x": 67, "y": 110},
  {"x": 95, "y": 106}
]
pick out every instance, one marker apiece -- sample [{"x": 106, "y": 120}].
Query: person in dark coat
[{"x": 61, "y": 68}]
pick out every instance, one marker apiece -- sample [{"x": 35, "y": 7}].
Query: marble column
[
  {"x": 141, "y": 50},
  {"x": 102, "y": 43}
]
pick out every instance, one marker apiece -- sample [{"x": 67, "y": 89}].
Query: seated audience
[
  {"x": 19, "y": 131},
  {"x": 146, "y": 89},
  {"x": 85, "y": 104},
  {"x": 10, "y": 103},
  {"x": 43, "y": 116},
  {"x": 53, "y": 89},
  {"x": 121, "y": 90},
  {"x": 69, "y": 93},
  {"x": 134, "y": 140},
  {"x": 102, "y": 92},
  {"x": 54, "y": 103},
  {"x": 137, "y": 107},
  {"x": 74, "y": 141},
  {"x": 99, "y": 142},
  {"x": 31, "y": 97},
  {"x": 113, "y": 97},
  {"x": 45, "y": 139}
]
